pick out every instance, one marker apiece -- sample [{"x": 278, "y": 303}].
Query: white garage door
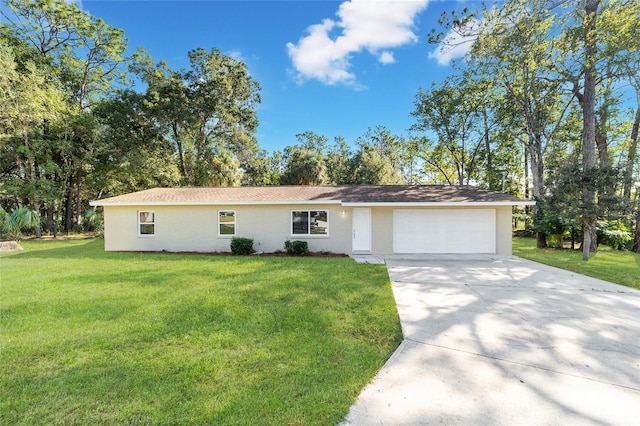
[{"x": 444, "y": 231}]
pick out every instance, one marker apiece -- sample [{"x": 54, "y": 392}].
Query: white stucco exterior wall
[
  {"x": 183, "y": 228},
  {"x": 195, "y": 228}
]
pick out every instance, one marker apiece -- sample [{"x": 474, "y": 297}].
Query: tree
[
  {"x": 207, "y": 112},
  {"x": 367, "y": 167},
  {"x": 338, "y": 161},
  {"x": 514, "y": 46},
  {"x": 387, "y": 146},
  {"x": 261, "y": 170},
  {"x": 311, "y": 141},
  {"x": 29, "y": 102},
  {"x": 446, "y": 111},
  {"x": 84, "y": 55},
  {"x": 87, "y": 52},
  {"x": 303, "y": 167},
  {"x": 133, "y": 154}
]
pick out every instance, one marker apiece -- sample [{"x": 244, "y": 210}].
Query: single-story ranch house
[{"x": 378, "y": 220}]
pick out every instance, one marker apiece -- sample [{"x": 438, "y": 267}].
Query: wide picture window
[
  {"x": 226, "y": 223},
  {"x": 310, "y": 222},
  {"x": 146, "y": 223}
]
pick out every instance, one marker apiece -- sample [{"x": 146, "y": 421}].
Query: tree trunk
[
  {"x": 589, "y": 127},
  {"x": 68, "y": 207},
  {"x": 50, "y": 224},
  {"x": 602, "y": 120},
  {"x": 527, "y": 209},
  {"x": 631, "y": 156},
  {"x": 36, "y": 207},
  {"x": 537, "y": 175},
  {"x": 487, "y": 147},
  {"x": 178, "y": 140},
  {"x": 636, "y": 236},
  {"x": 573, "y": 238},
  {"x": 78, "y": 211}
]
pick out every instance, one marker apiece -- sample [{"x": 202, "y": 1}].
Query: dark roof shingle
[{"x": 291, "y": 194}]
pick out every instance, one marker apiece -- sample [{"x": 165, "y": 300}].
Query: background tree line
[
  {"x": 548, "y": 95},
  {"x": 544, "y": 105}
]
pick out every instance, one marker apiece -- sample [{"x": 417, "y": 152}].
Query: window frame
[
  {"x": 235, "y": 224},
  {"x": 152, "y": 223},
  {"x": 309, "y": 234}
]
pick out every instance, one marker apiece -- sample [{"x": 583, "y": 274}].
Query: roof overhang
[
  {"x": 315, "y": 202},
  {"x": 97, "y": 203},
  {"x": 444, "y": 204}
]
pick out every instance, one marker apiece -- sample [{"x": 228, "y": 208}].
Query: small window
[
  {"x": 310, "y": 222},
  {"x": 146, "y": 223},
  {"x": 226, "y": 223}
]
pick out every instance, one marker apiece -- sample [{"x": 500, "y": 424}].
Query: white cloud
[
  {"x": 362, "y": 25},
  {"x": 77, "y": 2},
  {"x": 386, "y": 57},
  {"x": 456, "y": 43},
  {"x": 237, "y": 55}
]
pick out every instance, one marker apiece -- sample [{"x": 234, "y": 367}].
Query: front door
[{"x": 361, "y": 223}]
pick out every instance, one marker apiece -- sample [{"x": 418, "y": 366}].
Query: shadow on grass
[{"x": 104, "y": 337}]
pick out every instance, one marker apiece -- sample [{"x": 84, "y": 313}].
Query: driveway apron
[{"x": 503, "y": 340}]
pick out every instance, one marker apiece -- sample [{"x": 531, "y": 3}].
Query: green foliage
[
  {"x": 311, "y": 141},
  {"x": 86, "y": 52},
  {"x": 65, "y": 61},
  {"x": 19, "y": 220},
  {"x": 241, "y": 246},
  {"x": 93, "y": 221},
  {"x": 367, "y": 167},
  {"x": 447, "y": 111},
  {"x": 296, "y": 247},
  {"x": 337, "y": 160},
  {"x": 187, "y": 339},
  {"x": 207, "y": 112},
  {"x": 261, "y": 170},
  {"x": 389, "y": 147},
  {"x": 615, "y": 233},
  {"x": 134, "y": 154},
  {"x": 303, "y": 167}
]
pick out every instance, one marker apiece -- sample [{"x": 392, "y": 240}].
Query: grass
[
  {"x": 90, "y": 337},
  {"x": 620, "y": 267}
]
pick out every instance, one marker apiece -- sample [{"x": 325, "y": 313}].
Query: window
[
  {"x": 310, "y": 222},
  {"x": 146, "y": 223},
  {"x": 226, "y": 223}
]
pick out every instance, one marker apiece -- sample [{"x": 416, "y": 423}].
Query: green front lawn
[
  {"x": 621, "y": 267},
  {"x": 89, "y": 337}
]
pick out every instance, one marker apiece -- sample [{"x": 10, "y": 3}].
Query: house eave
[
  {"x": 97, "y": 203},
  {"x": 442, "y": 204}
]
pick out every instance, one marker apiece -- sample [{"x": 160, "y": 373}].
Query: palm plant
[{"x": 20, "y": 219}]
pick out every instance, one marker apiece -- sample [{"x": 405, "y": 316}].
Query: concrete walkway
[{"x": 502, "y": 340}]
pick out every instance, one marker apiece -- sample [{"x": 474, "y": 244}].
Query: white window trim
[
  {"x": 235, "y": 224},
  {"x": 309, "y": 235},
  {"x": 140, "y": 235}
]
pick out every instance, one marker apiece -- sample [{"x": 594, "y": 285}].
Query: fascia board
[
  {"x": 97, "y": 203},
  {"x": 443, "y": 204},
  {"x": 211, "y": 203}
]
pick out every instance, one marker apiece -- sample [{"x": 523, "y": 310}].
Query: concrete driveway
[{"x": 502, "y": 340}]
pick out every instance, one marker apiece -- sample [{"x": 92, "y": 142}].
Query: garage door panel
[{"x": 444, "y": 231}]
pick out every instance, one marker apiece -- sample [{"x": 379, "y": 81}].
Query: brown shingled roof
[{"x": 323, "y": 194}]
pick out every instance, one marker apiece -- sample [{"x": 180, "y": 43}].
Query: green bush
[
  {"x": 296, "y": 248},
  {"x": 614, "y": 234},
  {"x": 241, "y": 246}
]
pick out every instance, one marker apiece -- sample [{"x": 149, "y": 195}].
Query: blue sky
[{"x": 335, "y": 68}]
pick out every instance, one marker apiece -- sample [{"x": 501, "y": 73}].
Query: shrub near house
[{"x": 241, "y": 246}]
